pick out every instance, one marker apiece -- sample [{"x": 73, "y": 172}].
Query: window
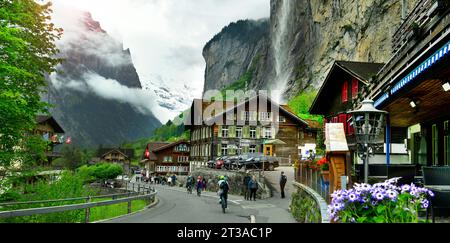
[
  {"x": 239, "y": 132},
  {"x": 435, "y": 144},
  {"x": 252, "y": 149},
  {"x": 343, "y": 119},
  {"x": 182, "y": 148},
  {"x": 167, "y": 158},
  {"x": 267, "y": 132},
  {"x": 247, "y": 116},
  {"x": 253, "y": 132},
  {"x": 355, "y": 88},
  {"x": 345, "y": 92},
  {"x": 224, "y": 132},
  {"x": 281, "y": 119},
  {"x": 301, "y": 135},
  {"x": 265, "y": 116},
  {"x": 224, "y": 149},
  {"x": 182, "y": 159}
]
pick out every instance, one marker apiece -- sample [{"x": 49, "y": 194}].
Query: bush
[
  {"x": 101, "y": 171},
  {"x": 69, "y": 186},
  {"x": 381, "y": 203}
]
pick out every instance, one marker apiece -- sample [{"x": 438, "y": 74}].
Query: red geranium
[{"x": 324, "y": 164}]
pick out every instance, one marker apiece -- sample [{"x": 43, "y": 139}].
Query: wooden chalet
[
  {"x": 167, "y": 158},
  {"x": 255, "y": 125},
  {"x": 119, "y": 156},
  {"x": 48, "y": 128},
  {"x": 414, "y": 86}
]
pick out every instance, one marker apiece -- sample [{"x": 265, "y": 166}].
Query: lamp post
[{"x": 368, "y": 123}]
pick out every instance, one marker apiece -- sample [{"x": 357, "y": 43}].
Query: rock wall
[{"x": 306, "y": 36}]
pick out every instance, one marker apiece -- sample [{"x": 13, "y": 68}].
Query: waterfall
[{"x": 281, "y": 47}]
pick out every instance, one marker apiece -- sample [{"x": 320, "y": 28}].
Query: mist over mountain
[{"x": 96, "y": 93}]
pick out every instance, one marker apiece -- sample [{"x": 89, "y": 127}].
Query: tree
[
  {"x": 27, "y": 55},
  {"x": 72, "y": 158}
]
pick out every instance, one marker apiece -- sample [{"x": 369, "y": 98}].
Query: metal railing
[
  {"x": 313, "y": 178},
  {"x": 142, "y": 193}
]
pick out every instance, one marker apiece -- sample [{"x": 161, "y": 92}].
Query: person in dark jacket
[
  {"x": 253, "y": 187},
  {"x": 283, "y": 180},
  {"x": 247, "y": 179}
]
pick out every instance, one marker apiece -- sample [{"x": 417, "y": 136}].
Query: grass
[{"x": 115, "y": 210}]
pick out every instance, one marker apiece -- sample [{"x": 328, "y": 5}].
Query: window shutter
[
  {"x": 220, "y": 132},
  {"x": 246, "y": 132},
  {"x": 232, "y": 131},
  {"x": 219, "y": 149},
  {"x": 273, "y": 133},
  {"x": 345, "y": 92},
  {"x": 258, "y": 132},
  {"x": 355, "y": 88}
]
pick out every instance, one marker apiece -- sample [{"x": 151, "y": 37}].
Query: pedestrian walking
[
  {"x": 169, "y": 181},
  {"x": 283, "y": 180},
  {"x": 247, "y": 179},
  {"x": 199, "y": 185},
  {"x": 204, "y": 184},
  {"x": 253, "y": 187}
]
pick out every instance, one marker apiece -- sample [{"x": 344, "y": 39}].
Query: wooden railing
[{"x": 142, "y": 193}]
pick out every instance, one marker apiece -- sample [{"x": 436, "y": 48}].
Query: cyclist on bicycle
[
  {"x": 199, "y": 185},
  {"x": 224, "y": 187},
  {"x": 190, "y": 184}
]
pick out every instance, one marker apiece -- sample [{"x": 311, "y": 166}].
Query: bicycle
[{"x": 223, "y": 201}]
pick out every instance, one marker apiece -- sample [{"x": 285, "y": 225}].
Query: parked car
[
  {"x": 211, "y": 164},
  {"x": 229, "y": 162},
  {"x": 258, "y": 161},
  {"x": 220, "y": 162},
  {"x": 242, "y": 160}
]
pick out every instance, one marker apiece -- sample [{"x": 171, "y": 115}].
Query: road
[{"x": 176, "y": 206}]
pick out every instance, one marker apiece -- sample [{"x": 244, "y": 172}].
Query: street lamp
[{"x": 368, "y": 123}]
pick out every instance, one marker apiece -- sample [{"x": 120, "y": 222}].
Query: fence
[
  {"x": 313, "y": 178},
  {"x": 142, "y": 193}
]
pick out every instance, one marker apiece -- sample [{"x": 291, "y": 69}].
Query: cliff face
[
  {"x": 306, "y": 36},
  {"x": 87, "y": 90},
  {"x": 231, "y": 53}
]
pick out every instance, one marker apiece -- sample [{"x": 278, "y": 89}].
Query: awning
[{"x": 274, "y": 142}]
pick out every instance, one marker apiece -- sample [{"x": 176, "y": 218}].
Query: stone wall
[{"x": 307, "y": 206}]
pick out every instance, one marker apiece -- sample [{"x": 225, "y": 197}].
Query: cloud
[{"x": 166, "y": 37}]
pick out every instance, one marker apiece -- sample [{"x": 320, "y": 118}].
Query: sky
[{"x": 166, "y": 37}]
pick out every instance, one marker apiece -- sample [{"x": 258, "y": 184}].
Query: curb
[{"x": 133, "y": 213}]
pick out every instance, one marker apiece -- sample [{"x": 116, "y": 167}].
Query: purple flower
[
  {"x": 379, "y": 196},
  {"x": 392, "y": 194},
  {"x": 406, "y": 188},
  {"x": 352, "y": 197},
  {"x": 431, "y": 193}
]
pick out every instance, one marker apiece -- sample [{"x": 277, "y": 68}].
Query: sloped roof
[
  {"x": 283, "y": 109},
  {"x": 363, "y": 71},
  {"x": 51, "y": 120},
  {"x": 129, "y": 153},
  {"x": 152, "y": 147},
  {"x": 169, "y": 145}
]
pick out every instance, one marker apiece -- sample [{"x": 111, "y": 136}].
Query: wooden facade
[
  {"x": 247, "y": 127},
  {"x": 119, "y": 156},
  {"x": 411, "y": 85},
  {"x": 48, "y": 128},
  {"x": 167, "y": 158}
]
